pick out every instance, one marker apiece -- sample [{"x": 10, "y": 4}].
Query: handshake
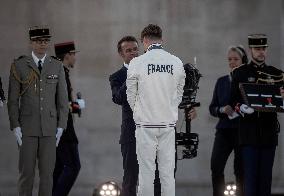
[{"x": 240, "y": 110}]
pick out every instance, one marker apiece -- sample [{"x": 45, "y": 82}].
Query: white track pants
[{"x": 152, "y": 142}]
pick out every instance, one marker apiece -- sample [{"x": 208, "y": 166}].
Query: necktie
[{"x": 39, "y": 65}]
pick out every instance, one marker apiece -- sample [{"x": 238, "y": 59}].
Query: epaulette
[
  {"x": 276, "y": 68},
  {"x": 20, "y": 57},
  {"x": 56, "y": 58}
]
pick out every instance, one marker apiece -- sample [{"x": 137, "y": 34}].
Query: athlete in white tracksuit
[{"x": 155, "y": 82}]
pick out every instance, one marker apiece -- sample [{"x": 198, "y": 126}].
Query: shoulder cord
[
  {"x": 31, "y": 77},
  {"x": 267, "y": 74},
  {"x": 280, "y": 78}
]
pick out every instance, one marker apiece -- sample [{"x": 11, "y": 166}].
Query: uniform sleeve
[
  {"x": 13, "y": 99},
  {"x": 132, "y": 84},
  {"x": 69, "y": 86},
  {"x": 180, "y": 84},
  {"x": 215, "y": 103},
  {"x": 62, "y": 100},
  {"x": 118, "y": 90},
  {"x": 235, "y": 96}
]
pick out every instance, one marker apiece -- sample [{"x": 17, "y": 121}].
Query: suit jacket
[
  {"x": 40, "y": 105},
  {"x": 221, "y": 97},
  {"x": 69, "y": 134},
  {"x": 118, "y": 88}
]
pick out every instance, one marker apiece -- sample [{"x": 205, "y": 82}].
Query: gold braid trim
[
  {"x": 277, "y": 76},
  {"x": 269, "y": 80},
  {"x": 31, "y": 78}
]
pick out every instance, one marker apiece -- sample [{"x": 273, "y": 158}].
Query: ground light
[{"x": 109, "y": 188}]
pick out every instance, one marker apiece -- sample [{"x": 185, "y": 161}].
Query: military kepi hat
[
  {"x": 39, "y": 32},
  {"x": 64, "y": 48},
  {"x": 257, "y": 40}
]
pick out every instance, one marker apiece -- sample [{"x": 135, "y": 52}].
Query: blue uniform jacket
[{"x": 221, "y": 97}]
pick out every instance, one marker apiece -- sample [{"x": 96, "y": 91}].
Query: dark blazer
[
  {"x": 118, "y": 88},
  {"x": 221, "y": 97},
  {"x": 69, "y": 134},
  {"x": 259, "y": 128}
]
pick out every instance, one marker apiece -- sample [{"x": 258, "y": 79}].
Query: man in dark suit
[
  {"x": 67, "y": 164},
  {"x": 127, "y": 49}
]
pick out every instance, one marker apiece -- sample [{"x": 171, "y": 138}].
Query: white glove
[
  {"x": 1, "y": 103},
  {"x": 58, "y": 135},
  {"x": 18, "y": 133},
  {"x": 246, "y": 109},
  {"x": 81, "y": 103}
]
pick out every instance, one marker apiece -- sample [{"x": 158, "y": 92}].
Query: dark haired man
[
  {"x": 258, "y": 131},
  {"x": 154, "y": 97},
  {"x": 127, "y": 48}
]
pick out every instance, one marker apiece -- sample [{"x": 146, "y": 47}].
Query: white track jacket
[{"x": 155, "y": 82}]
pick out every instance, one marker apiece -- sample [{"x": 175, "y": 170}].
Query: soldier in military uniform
[
  {"x": 67, "y": 164},
  {"x": 38, "y": 111},
  {"x": 258, "y": 131}
]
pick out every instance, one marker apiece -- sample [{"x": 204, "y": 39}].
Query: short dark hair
[
  {"x": 152, "y": 31},
  {"x": 127, "y": 38}
]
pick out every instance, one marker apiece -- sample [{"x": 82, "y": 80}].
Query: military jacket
[
  {"x": 69, "y": 134},
  {"x": 37, "y": 102},
  {"x": 259, "y": 128}
]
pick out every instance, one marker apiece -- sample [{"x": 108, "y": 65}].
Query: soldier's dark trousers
[
  {"x": 258, "y": 164},
  {"x": 33, "y": 148},
  {"x": 224, "y": 144},
  {"x": 130, "y": 167},
  {"x": 67, "y": 168}
]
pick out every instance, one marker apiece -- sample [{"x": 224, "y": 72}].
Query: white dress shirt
[{"x": 36, "y": 59}]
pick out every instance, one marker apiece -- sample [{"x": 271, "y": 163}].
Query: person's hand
[
  {"x": 18, "y": 133},
  {"x": 1, "y": 103},
  {"x": 192, "y": 114},
  {"x": 227, "y": 110},
  {"x": 58, "y": 135},
  {"x": 282, "y": 91}
]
